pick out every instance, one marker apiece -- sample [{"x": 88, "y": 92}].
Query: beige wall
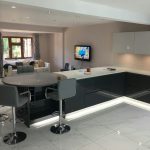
[
  {"x": 58, "y": 51},
  {"x": 44, "y": 46},
  {"x": 100, "y": 38},
  {"x": 51, "y": 49}
]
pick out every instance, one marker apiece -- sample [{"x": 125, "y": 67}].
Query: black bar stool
[
  {"x": 66, "y": 89},
  {"x": 9, "y": 96}
]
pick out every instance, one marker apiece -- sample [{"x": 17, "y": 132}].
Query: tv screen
[{"x": 82, "y": 52}]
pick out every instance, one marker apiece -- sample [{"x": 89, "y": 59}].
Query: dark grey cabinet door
[
  {"x": 100, "y": 89},
  {"x": 113, "y": 83},
  {"x": 95, "y": 90},
  {"x": 135, "y": 83}
]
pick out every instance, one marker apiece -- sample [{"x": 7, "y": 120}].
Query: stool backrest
[
  {"x": 9, "y": 95},
  {"x": 66, "y": 88},
  {"x": 25, "y": 69}
]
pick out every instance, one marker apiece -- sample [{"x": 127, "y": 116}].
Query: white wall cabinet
[
  {"x": 123, "y": 42},
  {"x": 132, "y": 42},
  {"x": 142, "y": 43}
]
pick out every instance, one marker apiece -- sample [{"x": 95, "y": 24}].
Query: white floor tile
[
  {"x": 117, "y": 142},
  {"x": 122, "y": 127},
  {"x": 92, "y": 146}
]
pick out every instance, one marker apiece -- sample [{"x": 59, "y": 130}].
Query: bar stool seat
[
  {"x": 9, "y": 96},
  {"x": 66, "y": 89}
]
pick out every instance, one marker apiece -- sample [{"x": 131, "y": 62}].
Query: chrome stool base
[
  {"x": 3, "y": 117},
  {"x": 13, "y": 138},
  {"x": 60, "y": 129}
]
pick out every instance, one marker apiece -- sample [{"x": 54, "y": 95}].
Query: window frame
[{"x": 10, "y": 43}]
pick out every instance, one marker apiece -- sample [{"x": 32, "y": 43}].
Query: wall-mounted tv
[{"x": 82, "y": 52}]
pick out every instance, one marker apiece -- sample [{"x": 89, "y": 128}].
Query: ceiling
[
  {"x": 25, "y": 14},
  {"x": 140, "y": 6},
  {"x": 72, "y": 13}
]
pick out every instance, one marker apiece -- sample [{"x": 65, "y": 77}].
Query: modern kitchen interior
[{"x": 74, "y": 75}]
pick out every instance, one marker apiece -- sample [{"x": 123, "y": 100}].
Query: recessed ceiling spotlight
[
  {"x": 118, "y": 132},
  {"x": 140, "y": 143},
  {"x": 13, "y": 7}
]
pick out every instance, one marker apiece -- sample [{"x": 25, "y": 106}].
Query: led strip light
[{"x": 93, "y": 109}]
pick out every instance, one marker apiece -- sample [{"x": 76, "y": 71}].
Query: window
[{"x": 17, "y": 47}]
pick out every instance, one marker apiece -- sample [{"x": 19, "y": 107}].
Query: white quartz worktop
[
  {"x": 99, "y": 71},
  {"x": 80, "y": 74}
]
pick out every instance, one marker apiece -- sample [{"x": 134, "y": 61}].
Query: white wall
[{"x": 100, "y": 38}]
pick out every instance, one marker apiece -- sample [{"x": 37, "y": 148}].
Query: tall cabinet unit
[
  {"x": 123, "y": 42},
  {"x": 142, "y": 43}
]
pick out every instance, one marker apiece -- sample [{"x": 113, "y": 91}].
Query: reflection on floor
[{"x": 122, "y": 127}]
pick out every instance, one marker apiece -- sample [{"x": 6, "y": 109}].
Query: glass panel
[
  {"x": 5, "y": 48},
  {"x": 27, "y": 43},
  {"x": 15, "y": 40},
  {"x": 16, "y": 51}
]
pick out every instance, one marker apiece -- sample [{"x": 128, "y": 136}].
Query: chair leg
[
  {"x": 14, "y": 137},
  {"x": 60, "y": 128}
]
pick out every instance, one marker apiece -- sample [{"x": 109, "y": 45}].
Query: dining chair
[{"x": 9, "y": 96}]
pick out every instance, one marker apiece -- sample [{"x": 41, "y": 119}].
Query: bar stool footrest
[{"x": 12, "y": 138}]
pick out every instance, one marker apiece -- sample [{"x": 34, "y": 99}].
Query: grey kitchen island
[{"x": 101, "y": 85}]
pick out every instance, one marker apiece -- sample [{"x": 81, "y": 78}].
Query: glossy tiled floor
[{"x": 122, "y": 127}]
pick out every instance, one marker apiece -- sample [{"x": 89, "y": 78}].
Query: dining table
[
  {"x": 33, "y": 80},
  {"x": 36, "y": 79}
]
